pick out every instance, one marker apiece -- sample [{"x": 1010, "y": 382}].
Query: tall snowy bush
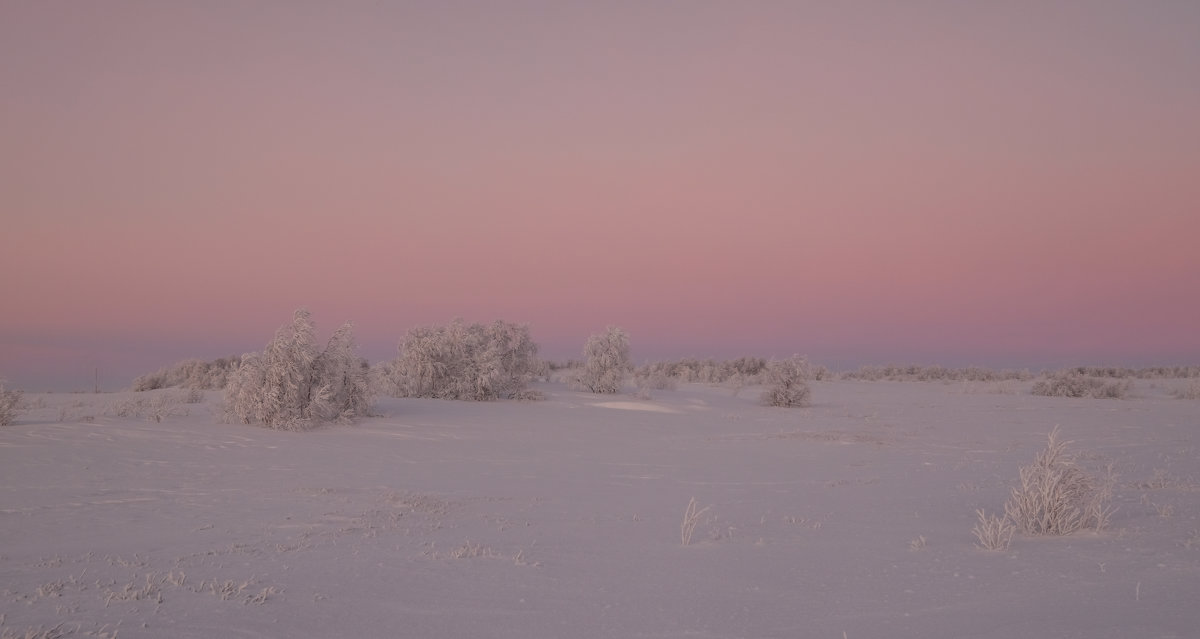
[
  {"x": 292, "y": 385},
  {"x": 345, "y": 376},
  {"x": 466, "y": 361},
  {"x": 606, "y": 362}
]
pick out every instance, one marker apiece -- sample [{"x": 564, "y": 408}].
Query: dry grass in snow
[{"x": 1056, "y": 496}]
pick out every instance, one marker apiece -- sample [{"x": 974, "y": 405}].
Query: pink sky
[{"x": 1015, "y": 184}]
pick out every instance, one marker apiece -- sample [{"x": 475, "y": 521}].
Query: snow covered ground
[{"x": 562, "y": 518}]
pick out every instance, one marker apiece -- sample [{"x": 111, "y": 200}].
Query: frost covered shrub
[
  {"x": 8, "y": 405},
  {"x": 466, "y": 362},
  {"x": 1056, "y": 496},
  {"x": 190, "y": 373},
  {"x": 1191, "y": 391},
  {"x": 1072, "y": 383},
  {"x": 606, "y": 362},
  {"x": 786, "y": 382},
  {"x": 344, "y": 377},
  {"x": 648, "y": 378},
  {"x": 292, "y": 385}
]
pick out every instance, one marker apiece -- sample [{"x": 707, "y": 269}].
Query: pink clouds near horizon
[{"x": 1010, "y": 184}]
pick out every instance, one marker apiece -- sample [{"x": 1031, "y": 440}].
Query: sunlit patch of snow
[{"x": 654, "y": 408}]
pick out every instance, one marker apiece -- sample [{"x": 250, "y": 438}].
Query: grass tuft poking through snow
[
  {"x": 691, "y": 517},
  {"x": 993, "y": 532}
]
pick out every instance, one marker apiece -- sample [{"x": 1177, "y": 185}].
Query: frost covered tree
[
  {"x": 292, "y": 385},
  {"x": 510, "y": 359},
  {"x": 465, "y": 361},
  {"x": 606, "y": 362},
  {"x": 786, "y": 382},
  {"x": 345, "y": 376}
]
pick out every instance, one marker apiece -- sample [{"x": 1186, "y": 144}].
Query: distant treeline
[
  {"x": 1152, "y": 372},
  {"x": 213, "y": 375},
  {"x": 743, "y": 370},
  {"x": 979, "y": 374},
  {"x": 912, "y": 373}
]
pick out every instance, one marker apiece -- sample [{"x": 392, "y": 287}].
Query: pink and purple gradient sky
[{"x": 1004, "y": 184}]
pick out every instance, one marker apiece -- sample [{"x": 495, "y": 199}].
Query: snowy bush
[
  {"x": 345, "y": 376},
  {"x": 1073, "y": 383},
  {"x": 606, "y": 362},
  {"x": 786, "y": 382},
  {"x": 8, "y": 405},
  {"x": 1056, "y": 496},
  {"x": 1191, "y": 391},
  {"x": 292, "y": 385},
  {"x": 190, "y": 373},
  {"x": 646, "y": 379},
  {"x": 466, "y": 362}
]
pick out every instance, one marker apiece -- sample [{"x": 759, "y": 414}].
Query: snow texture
[{"x": 850, "y": 518}]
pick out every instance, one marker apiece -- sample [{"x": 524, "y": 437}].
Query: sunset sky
[{"x": 1003, "y": 183}]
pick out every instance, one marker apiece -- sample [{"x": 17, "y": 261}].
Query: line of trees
[{"x": 294, "y": 383}]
